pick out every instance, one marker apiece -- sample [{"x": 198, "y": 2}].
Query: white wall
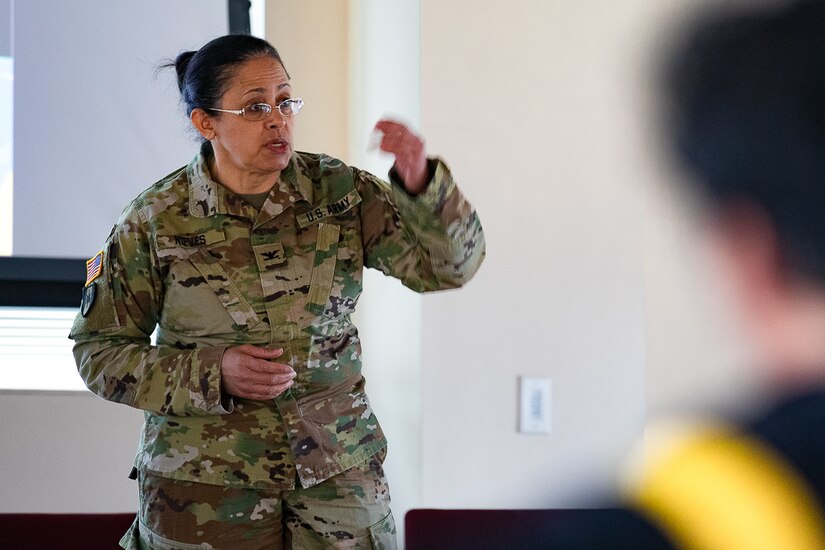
[
  {"x": 66, "y": 452},
  {"x": 594, "y": 278},
  {"x": 528, "y": 103}
]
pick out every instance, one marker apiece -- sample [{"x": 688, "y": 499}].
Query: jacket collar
[{"x": 208, "y": 198}]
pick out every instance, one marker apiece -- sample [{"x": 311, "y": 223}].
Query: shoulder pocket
[{"x": 98, "y": 302}]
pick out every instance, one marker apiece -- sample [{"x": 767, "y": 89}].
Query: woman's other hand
[
  {"x": 249, "y": 372},
  {"x": 410, "y": 154}
]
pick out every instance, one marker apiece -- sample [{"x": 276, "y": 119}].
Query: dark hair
[
  {"x": 203, "y": 76},
  {"x": 747, "y": 106}
]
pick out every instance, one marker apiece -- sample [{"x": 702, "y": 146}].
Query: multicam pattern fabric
[
  {"x": 210, "y": 271},
  {"x": 350, "y": 510}
]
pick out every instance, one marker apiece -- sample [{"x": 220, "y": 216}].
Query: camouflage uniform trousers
[{"x": 349, "y": 511}]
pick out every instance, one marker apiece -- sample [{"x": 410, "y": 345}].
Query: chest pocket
[
  {"x": 227, "y": 292},
  {"x": 200, "y": 297}
]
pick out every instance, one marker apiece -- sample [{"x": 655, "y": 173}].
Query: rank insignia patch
[
  {"x": 269, "y": 256},
  {"x": 94, "y": 267}
]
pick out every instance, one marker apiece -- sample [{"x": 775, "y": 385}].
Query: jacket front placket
[{"x": 274, "y": 243}]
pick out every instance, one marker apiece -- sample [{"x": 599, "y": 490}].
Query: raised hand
[{"x": 410, "y": 154}]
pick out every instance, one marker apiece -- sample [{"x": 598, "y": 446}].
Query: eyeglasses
[{"x": 261, "y": 111}]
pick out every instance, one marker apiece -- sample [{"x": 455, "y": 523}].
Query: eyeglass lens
[{"x": 260, "y": 111}]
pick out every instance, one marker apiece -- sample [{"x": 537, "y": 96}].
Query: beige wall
[{"x": 312, "y": 38}]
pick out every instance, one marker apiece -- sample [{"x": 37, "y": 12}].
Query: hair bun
[{"x": 181, "y": 63}]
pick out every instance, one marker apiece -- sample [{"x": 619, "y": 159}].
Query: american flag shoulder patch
[{"x": 94, "y": 267}]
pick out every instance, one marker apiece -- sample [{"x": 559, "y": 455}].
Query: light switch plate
[{"x": 535, "y": 405}]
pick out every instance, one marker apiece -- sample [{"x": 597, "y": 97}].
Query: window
[{"x": 35, "y": 350}]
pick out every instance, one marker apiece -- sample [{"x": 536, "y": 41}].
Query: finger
[
  {"x": 392, "y": 143},
  {"x": 405, "y": 152},
  {"x": 267, "y": 387},
  {"x": 403, "y": 143},
  {"x": 269, "y": 367},
  {"x": 265, "y": 392},
  {"x": 260, "y": 380},
  {"x": 396, "y": 134},
  {"x": 281, "y": 379},
  {"x": 387, "y": 126},
  {"x": 262, "y": 353},
  {"x": 261, "y": 373}
]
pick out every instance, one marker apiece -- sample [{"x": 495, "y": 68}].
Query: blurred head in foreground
[{"x": 747, "y": 108}]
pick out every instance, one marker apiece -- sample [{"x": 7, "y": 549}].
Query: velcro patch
[
  {"x": 89, "y": 295},
  {"x": 269, "y": 255},
  {"x": 197, "y": 239},
  {"x": 94, "y": 267},
  {"x": 321, "y": 212}
]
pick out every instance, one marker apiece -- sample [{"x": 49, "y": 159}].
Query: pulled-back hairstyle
[
  {"x": 204, "y": 75},
  {"x": 747, "y": 107}
]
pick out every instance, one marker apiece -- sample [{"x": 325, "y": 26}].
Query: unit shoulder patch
[{"x": 89, "y": 295}]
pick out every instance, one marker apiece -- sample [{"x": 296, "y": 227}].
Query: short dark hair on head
[
  {"x": 747, "y": 106},
  {"x": 204, "y": 75}
]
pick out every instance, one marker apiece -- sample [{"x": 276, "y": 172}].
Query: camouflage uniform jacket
[{"x": 210, "y": 271}]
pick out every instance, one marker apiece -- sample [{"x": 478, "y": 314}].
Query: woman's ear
[{"x": 202, "y": 123}]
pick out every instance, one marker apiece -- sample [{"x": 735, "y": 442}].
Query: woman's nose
[{"x": 275, "y": 120}]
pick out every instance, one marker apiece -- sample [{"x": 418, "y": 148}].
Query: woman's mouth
[{"x": 278, "y": 146}]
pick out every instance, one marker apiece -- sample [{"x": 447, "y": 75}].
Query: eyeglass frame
[{"x": 269, "y": 109}]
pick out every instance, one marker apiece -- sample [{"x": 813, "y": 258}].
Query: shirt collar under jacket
[{"x": 207, "y": 197}]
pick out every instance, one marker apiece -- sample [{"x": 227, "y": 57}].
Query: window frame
[{"x": 41, "y": 282}]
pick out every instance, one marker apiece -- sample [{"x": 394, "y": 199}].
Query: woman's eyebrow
[{"x": 263, "y": 90}]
